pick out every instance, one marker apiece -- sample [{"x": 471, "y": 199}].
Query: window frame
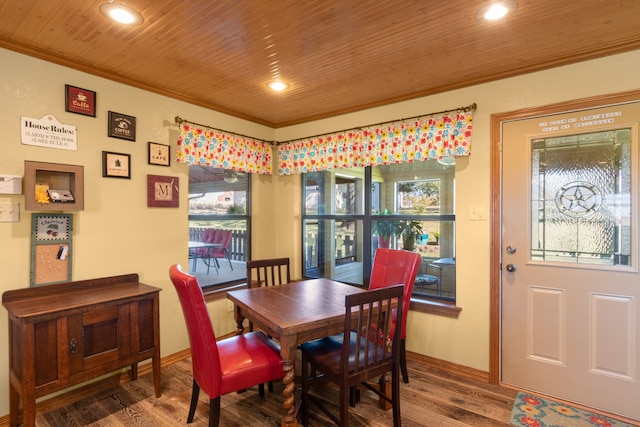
[
  {"x": 212, "y": 289},
  {"x": 438, "y": 306}
]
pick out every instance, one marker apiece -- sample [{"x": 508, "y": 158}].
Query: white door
[{"x": 570, "y": 284}]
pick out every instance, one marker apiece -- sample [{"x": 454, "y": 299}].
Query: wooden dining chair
[
  {"x": 221, "y": 367},
  {"x": 369, "y": 347},
  {"x": 392, "y": 267},
  {"x": 268, "y": 272}
]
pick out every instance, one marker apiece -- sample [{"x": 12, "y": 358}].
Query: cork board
[
  {"x": 48, "y": 266},
  {"x": 51, "y": 238}
]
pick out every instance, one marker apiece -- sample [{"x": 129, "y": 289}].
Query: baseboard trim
[{"x": 454, "y": 368}]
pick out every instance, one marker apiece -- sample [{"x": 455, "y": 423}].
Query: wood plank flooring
[{"x": 433, "y": 398}]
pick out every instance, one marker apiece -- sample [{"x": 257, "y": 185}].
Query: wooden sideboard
[{"x": 64, "y": 334}]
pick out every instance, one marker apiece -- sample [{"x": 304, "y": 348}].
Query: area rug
[{"x": 534, "y": 411}]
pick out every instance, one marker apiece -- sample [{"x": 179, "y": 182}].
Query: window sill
[
  {"x": 432, "y": 306},
  {"x": 215, "y": 294}
]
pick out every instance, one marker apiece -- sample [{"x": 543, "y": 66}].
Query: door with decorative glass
[{"x": 570, "y": 285}]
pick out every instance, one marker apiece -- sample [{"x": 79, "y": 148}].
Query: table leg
[
  {"x": 288, "y": 352},
  {"x": 239, "y": 321}
]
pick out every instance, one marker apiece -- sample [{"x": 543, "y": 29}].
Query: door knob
[{"x": 511, "y": 268}]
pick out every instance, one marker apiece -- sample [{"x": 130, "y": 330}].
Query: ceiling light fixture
[
  {"x": 447, "y": 161},
  {"x": 121, "y": 14},
  {"x": 278, "y": 86},
  {"x": 496, "y": 10},
  {"x": 230, "y": 177}
]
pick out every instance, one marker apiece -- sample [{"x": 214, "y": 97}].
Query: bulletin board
[{"x": 51, "y": 248}]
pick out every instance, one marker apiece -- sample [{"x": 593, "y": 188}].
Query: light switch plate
[
  {"x": 10, "y": 184},
  {"x": 9, "y": 212}
]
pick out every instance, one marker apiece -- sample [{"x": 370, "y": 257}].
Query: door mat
[{"x": 535, "y": 411}]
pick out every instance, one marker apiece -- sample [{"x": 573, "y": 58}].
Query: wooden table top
[{"x": 297, "y": 307}]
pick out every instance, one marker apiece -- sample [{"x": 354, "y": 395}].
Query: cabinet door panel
[
  {"x": 46, "y": 351},
  {"x": 100, "y": 337},
  {"x": 145, "y": 324}
]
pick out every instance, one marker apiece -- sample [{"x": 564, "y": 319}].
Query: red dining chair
[
  {"x": 393, "y": 267},
  {"x": 225, "y": 366}
]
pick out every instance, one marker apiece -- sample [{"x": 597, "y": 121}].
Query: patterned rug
[{"x": 534, "y": 411}]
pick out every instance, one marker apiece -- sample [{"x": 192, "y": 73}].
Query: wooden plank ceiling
[{"x": 338, "y": 55}]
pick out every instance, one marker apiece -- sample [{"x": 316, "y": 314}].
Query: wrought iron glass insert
[{"x": 581, "y": 198}]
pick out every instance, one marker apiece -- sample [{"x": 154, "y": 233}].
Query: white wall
[{"x": 117, "y": 233}]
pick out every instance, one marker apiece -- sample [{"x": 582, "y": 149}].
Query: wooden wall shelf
[{"x": 53, "y": 176}]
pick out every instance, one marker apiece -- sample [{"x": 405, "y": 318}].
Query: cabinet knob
[{"x": 73, "y": 345}]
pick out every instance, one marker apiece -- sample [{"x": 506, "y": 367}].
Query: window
[
  {"x": 407, "y": 206},
  {"x": 219, "y": 209}
]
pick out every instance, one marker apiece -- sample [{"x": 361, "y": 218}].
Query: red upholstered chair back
[
  {"x": 394, "y": 267},
  {"x": 204, "y": 350},
  {"x": 224, "y": 238},
  {"x": 208, "y": 235}
]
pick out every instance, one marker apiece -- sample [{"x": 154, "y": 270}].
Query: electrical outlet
[
  {"x": 478, "y": 212},
  {"x": 9, "y": 212},
  {"x": 229, "y": 306}
]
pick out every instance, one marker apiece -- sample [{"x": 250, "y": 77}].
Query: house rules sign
[{"x": 48, "y": 132}]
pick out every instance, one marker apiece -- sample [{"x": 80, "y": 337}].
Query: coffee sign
[
  {"x": 48, "y": 132},
  {"x": 122, "y": 126},
  {"x": 80, "y": 101}
]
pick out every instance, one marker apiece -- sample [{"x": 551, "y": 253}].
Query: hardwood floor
[{"x": 433, "y": 398}]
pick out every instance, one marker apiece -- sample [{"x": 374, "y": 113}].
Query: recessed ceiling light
[
  {"x": 278, "y": 86},
  {"x": 496, "y": 10},
  {"x": 121, "y": 14}
]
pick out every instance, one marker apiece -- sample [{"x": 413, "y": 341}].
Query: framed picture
[
  {"x": 116, "y": 165},
  {"x": 163, "y": 191},
  {"x": 79, "y": 101},
  {"x": 159, "y": 154},
  {"x": 121, "y": 126}
]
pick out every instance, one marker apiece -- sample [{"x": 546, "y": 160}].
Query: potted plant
[
  {"x": 410, "y": 231},
  {"x": 384, "y": 229}
]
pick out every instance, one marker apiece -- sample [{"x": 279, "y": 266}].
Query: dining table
[{"x": 293, "y": 313}]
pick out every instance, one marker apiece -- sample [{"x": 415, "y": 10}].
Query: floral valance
[
  {"x": 218, "y": 149},
  {"x": 419, "y": 139}
]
